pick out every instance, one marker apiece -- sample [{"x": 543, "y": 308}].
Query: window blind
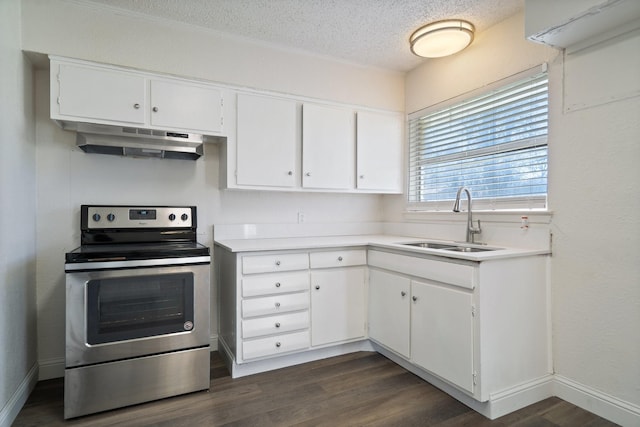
[{"x": 494, "y": 144}]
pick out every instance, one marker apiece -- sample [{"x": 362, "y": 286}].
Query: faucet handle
[{"x": 477, "y": 230}]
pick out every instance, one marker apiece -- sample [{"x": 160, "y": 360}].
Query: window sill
[{"x": 510, "y": 216}]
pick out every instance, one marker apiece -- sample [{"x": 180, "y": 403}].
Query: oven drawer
[
  {"x": 275, "y": 324},
  {"x": 275, "y": 345},
  {"x": 332, "y": 259},
  {"x": 273, "y": 263},
  {"x": 275, "y": 284},
  {"x": 275, "y": 304}
]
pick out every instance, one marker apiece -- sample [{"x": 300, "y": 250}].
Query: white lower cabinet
[
  {"x": 275, "y": 303},
  {"x": 337, "y": 305},
  {"x": 481, "y": 327},
  {"x": 442, "y": 332},
  {"x": 389, "y": 310}
]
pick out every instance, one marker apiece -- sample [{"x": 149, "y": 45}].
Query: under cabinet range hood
[{"x": 137, "y": 142}]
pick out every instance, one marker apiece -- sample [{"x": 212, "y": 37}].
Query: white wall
[
  {"x": 595, "y": 194},
  {"x": 68, "y": 177},
  {"x": 594, "y": 181},
  {"x": 18, "y": 368}
]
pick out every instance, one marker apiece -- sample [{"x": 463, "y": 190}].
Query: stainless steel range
[{"x": 137, "y": 308}]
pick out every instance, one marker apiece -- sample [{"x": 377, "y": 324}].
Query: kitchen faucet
[{"x": 471, "y": 230}]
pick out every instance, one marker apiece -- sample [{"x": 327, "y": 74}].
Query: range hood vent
[{"x": 137, "y": 142}]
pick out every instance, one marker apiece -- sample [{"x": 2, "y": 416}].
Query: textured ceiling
[{"x": 367, "y": 32}]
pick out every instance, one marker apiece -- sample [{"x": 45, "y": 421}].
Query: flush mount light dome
[{"x": 442, "y": 38}]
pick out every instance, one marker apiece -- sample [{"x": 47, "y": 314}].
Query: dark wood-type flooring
[{"x": 359, "y": 389}]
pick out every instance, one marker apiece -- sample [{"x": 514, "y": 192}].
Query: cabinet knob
[
  {"x": 277, "y": 262},
  {"x": 414, "y": 299},
  {"x": 403, "y": 293},
  {"x": 277, "y": 284},
  {"x": 155, "y": 109},
  {"x": 278, "y": 344},
  {"x": 277, "y": 324},
  {"x": 136, "y": 106},
  {"x": 308, "y": 174},
  {"x": 339, "y": 258},
  {"x": 361, "y": 176},
  {"x": 290, "y": 173},
  {"x": 277, "y": 305},
  {"x": 317, "y": 287}
]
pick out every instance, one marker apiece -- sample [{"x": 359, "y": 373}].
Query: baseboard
[
  {"x": 51, "y": 368},
  {"x": 18, "y": 399},
  {"x": 601, "y": 404}
]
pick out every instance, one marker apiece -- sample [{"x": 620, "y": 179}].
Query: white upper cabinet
[
  {"x": 95, "y": 93},
  {"x": 90, "y": 94},
  {"x": 379, "y": 152},
  {"x": 328, "y": 147},
  {"x": 266, "y": 141},
  {"x": 186, "y": 106}
]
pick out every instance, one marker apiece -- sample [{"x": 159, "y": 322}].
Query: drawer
[
  {"x": 275, "y": 324},
  {"x": 266, "y": 284},
  {"x": 275, "y": 304},
  {"x": 275, "y": 345},
  {"x": 273, "y": 263},
  {"x": 338, "y": 258}
]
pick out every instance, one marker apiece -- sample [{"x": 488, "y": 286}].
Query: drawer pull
[
  {"x": 317, "y": 287},
  {"x": 278, "y": 344},
  {"x": 277, "y": 284},
  {"x": 339, "y": 258},
  {"x": 278, "y": 305},
  {"x": 403, "y": 293},
  {"x": 277, "y": 324},
  {"x": 277, "y": 262},
  {"x": 414, "y": 299}
]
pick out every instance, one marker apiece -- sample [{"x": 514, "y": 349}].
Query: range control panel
[{"x": 122, "y": 217}]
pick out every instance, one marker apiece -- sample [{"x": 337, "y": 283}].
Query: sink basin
[
  {"x": 450, "y": 247},
  {"x": 429, "y": 245}
]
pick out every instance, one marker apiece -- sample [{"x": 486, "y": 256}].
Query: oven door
[{"x": 120, "y": 314}]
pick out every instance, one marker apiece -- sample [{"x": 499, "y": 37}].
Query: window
[{"x": 494, "y": 144}]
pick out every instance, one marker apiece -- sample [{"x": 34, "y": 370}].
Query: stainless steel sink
[{"x": 450, "y": 247}]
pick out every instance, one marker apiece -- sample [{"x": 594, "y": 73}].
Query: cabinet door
[
  {"x": 266, "y": 141},
  {"x": 186, "y": 106},
  {"x": 379, "y": 152},
  {"x": 328, "y": 150},
  {"x": 389, "y": 310},
  {"x": 337, "y": 305},
  {"x": 442, "y": 332},
  {"x": 90, "y": 94}
]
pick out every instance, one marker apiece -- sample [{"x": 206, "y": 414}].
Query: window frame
[{"x": 506, "y": 204}]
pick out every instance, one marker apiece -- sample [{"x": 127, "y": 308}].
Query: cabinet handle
[
  {"x": 136, "y": 106},
  {"x": 155, "y": 109},
  {"x": 290, "y": 173},
  {"x": 277, "y": 284},
  {"x": 277, "y": 305},
  {"x": 308, "y": 174},
  {"x": 317, "y": 287},
  {"x": 277, "y": 324},
  {"x": 403, "y": 293},
  {"x": 339, "y": 258},
  {"x": 277, "y": 262},
  {"x": 278, "y": 344},
  {"x": 361, "y": 176},
  {"x": 414, "y": 299}
]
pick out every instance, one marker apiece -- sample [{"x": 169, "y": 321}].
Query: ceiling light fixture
[{"x": 442, "y": 38}]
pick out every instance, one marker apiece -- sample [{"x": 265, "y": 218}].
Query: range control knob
[
  {"x": 111, "y": 217},
  {"x": 184, "y": 217},
  {"x": 96, "y": 217},
  {"x": 172, "y": 217}
]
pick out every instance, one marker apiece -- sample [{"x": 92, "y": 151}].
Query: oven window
[{"x": 126, "y": 308}]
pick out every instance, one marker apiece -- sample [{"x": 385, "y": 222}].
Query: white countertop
[{"x": 373, "y": 241}]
